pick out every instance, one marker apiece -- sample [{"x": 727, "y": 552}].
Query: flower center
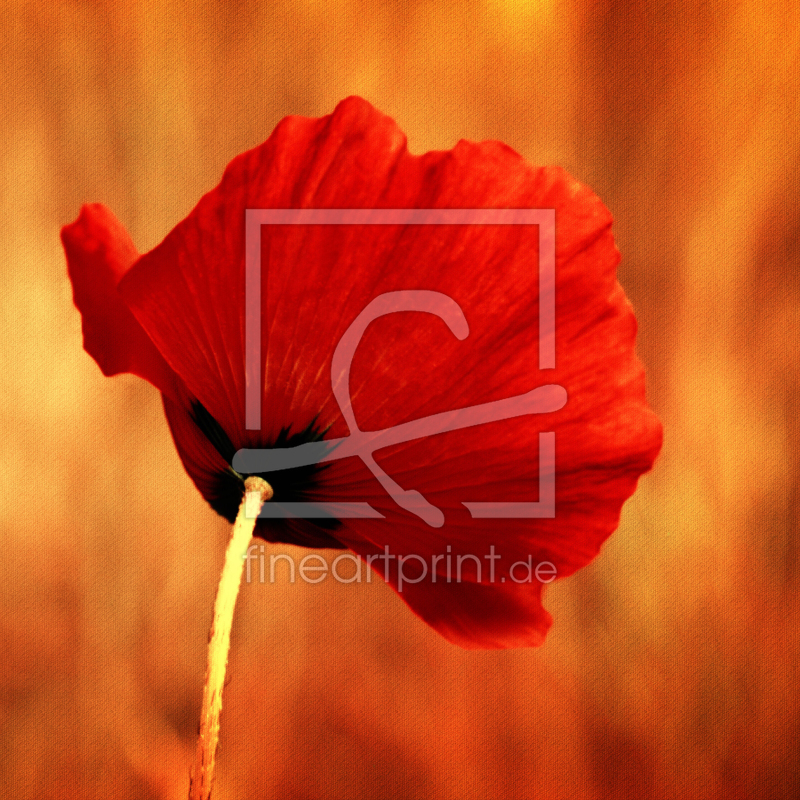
[{"x": 296, "y": 485}]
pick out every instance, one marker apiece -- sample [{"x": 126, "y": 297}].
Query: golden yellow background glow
[{"x": 672, "y": 667}]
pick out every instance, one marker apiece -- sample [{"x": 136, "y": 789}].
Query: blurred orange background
[{"x": 672, "y": 667}]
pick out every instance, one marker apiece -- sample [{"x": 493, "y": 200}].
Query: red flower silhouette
[{"x": 176, "y": 317}]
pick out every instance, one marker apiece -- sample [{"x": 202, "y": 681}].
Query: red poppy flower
[{"x": 176, "y": 317}]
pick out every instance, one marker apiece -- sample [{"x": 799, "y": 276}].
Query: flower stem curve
[{"x": 257, "y": 492}]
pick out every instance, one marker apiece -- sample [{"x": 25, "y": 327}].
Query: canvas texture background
[{"x": 672, "y": 668}]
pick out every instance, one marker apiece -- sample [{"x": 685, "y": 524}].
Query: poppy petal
[
  {"x": 99, "y": 252},
  {"x": 189, "y": 296},
  {"x": 506, "y": 612}
]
